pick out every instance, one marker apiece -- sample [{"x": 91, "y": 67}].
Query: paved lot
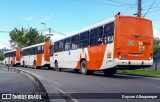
[
  {"x": 12, "y": 82},
  {"x": 69, "y": 81}
]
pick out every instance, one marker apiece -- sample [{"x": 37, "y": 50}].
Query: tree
[
  {"x": 157, "y": 47},
  {"x": 1, "y": 56},
  {"x": 26, "y": 37}
]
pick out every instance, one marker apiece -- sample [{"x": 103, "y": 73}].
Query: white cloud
[
  {"x": 5, "y": 45},
  {"x": 156, "y": 33},
  {"x": 56, "y": 37},
  {"x": 30, "y": 18}
]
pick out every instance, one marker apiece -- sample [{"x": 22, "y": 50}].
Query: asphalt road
[
  {"x": 69, "y": 81},
  {"x": 12, "y": 82}
]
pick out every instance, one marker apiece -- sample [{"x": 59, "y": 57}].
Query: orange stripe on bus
[
  {"x": 96, "y": 55},
  {"x": 39, "y": 59},
  {"x": 18, "y": 57},
  {"x": 46, "y": 51}
]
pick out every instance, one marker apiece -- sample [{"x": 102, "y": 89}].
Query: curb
[
  {"x": 46, "y": 86},
  {"x": 140, "y": 75}
]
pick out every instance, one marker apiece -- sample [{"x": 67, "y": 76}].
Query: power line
[
  {"x": 120, "y": 2},
  {"x": 149, "y": 8},
  {"x": 98, "y": 3}
]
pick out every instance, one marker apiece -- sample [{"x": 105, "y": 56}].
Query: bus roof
[
  {"x": 33, "y": 46},
  {"x": 89, "y": 27},
  {"x": 10, "y": 51},
  {"x": 142, "y": 18}
]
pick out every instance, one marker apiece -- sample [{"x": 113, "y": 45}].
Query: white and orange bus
[
  {"x": 12, "y": 57},
  {"x": 36, "y": 55},
  {"x": 122, "y": 42}
]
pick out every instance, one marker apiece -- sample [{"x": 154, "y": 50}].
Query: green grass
[{"x": 141, "y": 71}]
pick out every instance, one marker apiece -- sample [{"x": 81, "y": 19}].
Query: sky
[{"x": 68, "y": 16}]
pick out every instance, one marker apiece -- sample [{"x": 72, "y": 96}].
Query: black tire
[
  {"x": 35, "y": 65},
  {"x": 5, "y": 63},
  {"x": 109, "y": 72},
  {"x": 56, "y": 67},
  {"x": 24, "y": 64},
  {"x": 84, "y": 68},
  {"x": 49, "y": 67},
  {"x": 11, "y": 64},
  {"x": 76, "y": 70}
]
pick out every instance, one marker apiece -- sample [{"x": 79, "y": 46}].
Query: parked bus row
[{"x": 122, "y": 42}]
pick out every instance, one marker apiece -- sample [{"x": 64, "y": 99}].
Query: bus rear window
[{"x": 135, "y": 26}]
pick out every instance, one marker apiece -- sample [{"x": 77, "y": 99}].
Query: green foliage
[
  {"x": 26, "y": 37},
  {"x": 1, "y": 56},
  {"x": 140, "y": 71},
  {"x": 157, "y": 47}
]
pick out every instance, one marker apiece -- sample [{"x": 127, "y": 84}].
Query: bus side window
[
  {"x": 75, "y": 42},
  {"x": 67, "y": 44},
  {"x": 30, "y": 51},
  {"x": 56, "y": 44},
  {"x": 39, "y": 50},
  {"x": 42, "y": 49},
  {"x": 84, "y": 39},
  {"x": 60, "y": 46},
  {"x": 96, "y": 36},
  {"x": 108, "y": 33},
  {"x": 25, "y": 52},
  {"x": 14, "y": 53},
  {"x": 33, "y": 51},
  {"x": 51, "y": 50}
]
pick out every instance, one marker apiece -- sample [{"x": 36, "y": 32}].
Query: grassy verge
[{"x": 140, "y": 71}]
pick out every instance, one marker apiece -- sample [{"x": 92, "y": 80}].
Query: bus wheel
[
  {"x": 109, "y": 72},
  {"x": 11, "y": 64},
  {"x": 56, "y": 66},
  {"x": 35, "y": 65},
  {"x": 5, "y": 63},
  {"x": 84, "y": 68},
  {"x": 76, "y": 70},
  {"x": 24, "y": 64}
]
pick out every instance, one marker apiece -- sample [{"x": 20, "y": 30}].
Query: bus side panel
[
  {"x": 96, "y": 55},
  {"x": 46, "y": 51},
  {"x": 108, "y": 57},
  {"x": 93, "y": 55},
  {"x": 6, "y": 60},
  {"x": 13, "y": 60},
  {"x": 18, "y": 55},
  {"x": 39, "y": 60}
]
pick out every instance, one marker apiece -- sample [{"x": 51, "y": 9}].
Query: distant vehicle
[
  {"x": 36, "y": 55},
  {"x": 12, "y": 57},
  {"x": 122, "y": 42}
]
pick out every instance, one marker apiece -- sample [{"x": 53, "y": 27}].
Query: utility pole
[
  {"x": 49, "y": 35},
  {"x": 44, "y": 30},
  {"x": 139, "y": 8}
]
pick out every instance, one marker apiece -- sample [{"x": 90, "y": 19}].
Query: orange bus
[
  {"x": 36, "y": 55},
  {"x": 122, "y": 42},
  {"x": 12, "y": 57}
]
